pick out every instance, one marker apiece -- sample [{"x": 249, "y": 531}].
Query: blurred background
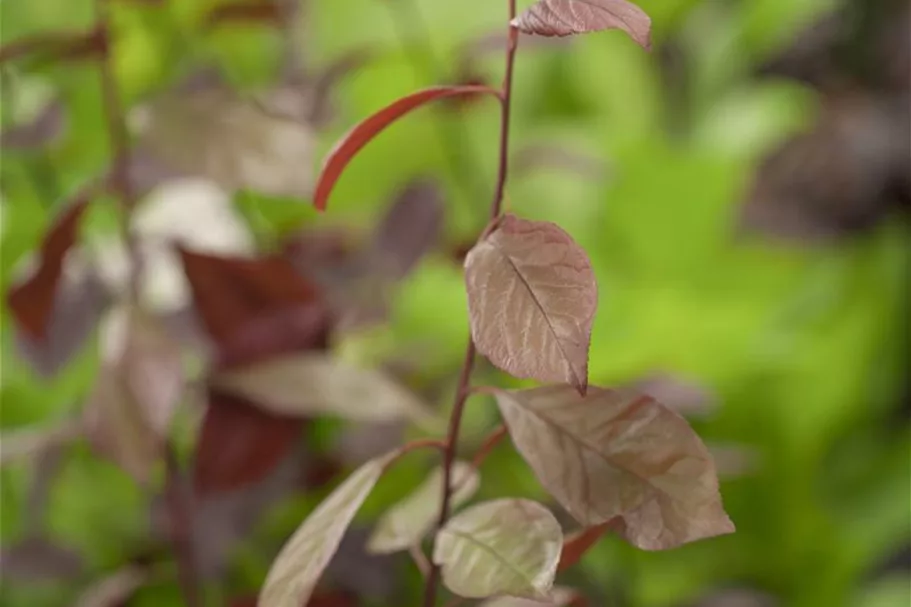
[{"x": 742, "y": 191}]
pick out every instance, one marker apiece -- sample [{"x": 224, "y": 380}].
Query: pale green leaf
[
  {"x": 408, "y": 521},
  {"x": 298, "y": 567},
  {"x": 313, "y": 383},
  {"x": 502, "y": 547}
]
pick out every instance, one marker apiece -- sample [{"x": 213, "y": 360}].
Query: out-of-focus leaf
[
  {"x": 568, "y": 17},
  {"x": 220, "y": 523},
  {"x": 254, "y": 310},
  {"x": 231, "y": 292},
  {"x": 678, "y": 394},
  {"x": 141, "y": 382},
  {"x": 408, "y": 521},
  {"x": 618, "y": 453},
  {"x": 79, "y": 304},
  {"x": 372, "y": 126},
  {"x": 115, "y": 588},
  {"x": 37, "y": 559},
  {"x": 409, "y": 229},
  {"x": 239, "y": 443},
  {"x": 235, "y": 142},
  {"x": 311, "y": 383},
  {"x": 39, "y": 132},
  {"x": 32, "y": 300},
  {"x": 170, "y": 213},
  {"x": 733, "y": 461},
  {"x": 559, "y": 597},
  {"x": 31, "y": 442},
  {"x": 298, "y": 567},
  {"x": 532, "y": 298},
  {"x": 505, "y": 546}
]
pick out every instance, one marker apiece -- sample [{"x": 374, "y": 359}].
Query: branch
[
  {"x": 180, "y": 507},
  {"x": 56, "y": 45},
  {"x": 464, "y": 389}
]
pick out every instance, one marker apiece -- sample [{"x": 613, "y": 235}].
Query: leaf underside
[
  {"x": 532, "y": 298},
  {"x": 616, "y": 453},
  {"x": 569, "y": 17}
]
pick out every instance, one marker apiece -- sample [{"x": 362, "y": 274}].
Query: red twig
[
  {"x": 492, "y": 440},
  {"x": 56, "y": 45},
  {"x": 464, "y": 388}
]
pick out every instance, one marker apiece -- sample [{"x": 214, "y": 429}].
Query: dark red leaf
[
  {"x": 32, "y": 301},
  {"x": 78, "y": 306},
  {"x": 576, "y": 545},
  {"x": 240, "y": 444},
  {"x": 370, "y": 127},
  {"x": 568, "y": 17},
  {"x": 291, "y": 330},
  {"x": 230, "y": 292}
]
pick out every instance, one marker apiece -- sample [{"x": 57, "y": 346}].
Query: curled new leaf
[
  {"x": 568, "y": 17},
  {"x": 311, "y": 383},
  {"x": 532, "y": 298},
  {"x": 302, "y": 560},
  {"x": 506, "y": 546},
  {"x": 409, "y": 520},
  {"x": 370, "y": 127},
  {"x": 617, "y": 453}
]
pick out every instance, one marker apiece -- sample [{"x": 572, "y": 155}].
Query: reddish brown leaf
[
  {"x": 240, "y": 444},
  {"x": 617, "y": 453},
  {"x": 576, "y": 545},
  {"x": 295, "y": 329},
  {"x": 370, "y": 127},
  {"x": 32, "y": 301},
  {"x": 532, "y": 298},
  {"x": 230, "y": 292},
  {"x": 568, "y": 17},
  {"x": 254, "y": 309}
]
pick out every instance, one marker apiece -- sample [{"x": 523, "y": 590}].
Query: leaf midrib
[
  {"x": 534, "y": 298},
  {"x": 472, "y": 540}
]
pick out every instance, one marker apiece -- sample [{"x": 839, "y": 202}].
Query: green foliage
[{"x": 804, "y": 346}]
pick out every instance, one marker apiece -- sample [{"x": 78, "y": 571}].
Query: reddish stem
[
  {"x": 464, "y": 389},
  {"x": 179, "y": 502},
  {"x": 492, "y": 440}
]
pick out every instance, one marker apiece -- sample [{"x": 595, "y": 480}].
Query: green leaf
[
  {"x": 506, "y": 546},
  {"x": 406, "y": 523},
  {"x": 301, "y": 562}
]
